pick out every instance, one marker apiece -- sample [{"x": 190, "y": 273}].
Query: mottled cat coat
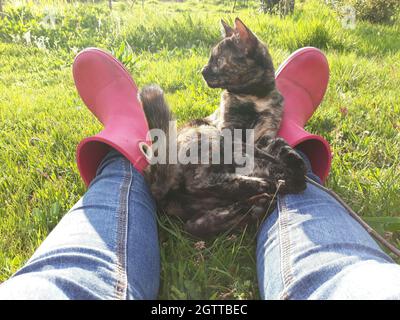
[{"x": 213, "y": 198}]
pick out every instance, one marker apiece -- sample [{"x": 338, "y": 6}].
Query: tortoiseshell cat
[{"x": 213, "y": 198}]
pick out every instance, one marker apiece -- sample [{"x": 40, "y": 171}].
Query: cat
[{"x": 213, "y": 198}]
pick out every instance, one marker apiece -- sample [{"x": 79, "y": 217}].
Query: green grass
[{"x": 42, "y": 119}]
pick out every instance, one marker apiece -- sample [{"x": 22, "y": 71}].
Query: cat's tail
[
  {"x": 158, "y": 116},
  {"x": 155, "y": 107}
]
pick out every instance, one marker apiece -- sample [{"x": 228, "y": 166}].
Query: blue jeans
[{"x": 106, "y": 247}]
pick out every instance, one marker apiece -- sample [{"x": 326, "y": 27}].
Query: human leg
[
  {"x": 105, "y": 247},
  {"x": 311, "y": 248}
]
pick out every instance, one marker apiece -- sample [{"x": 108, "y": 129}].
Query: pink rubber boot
[
  {"x": 109, "y": 92},
  {"x": 302, "y": 80}
]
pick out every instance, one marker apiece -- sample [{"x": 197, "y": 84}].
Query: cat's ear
[
  {"x": 226, "y": 30},
  {"x": 245, "y": 35}
]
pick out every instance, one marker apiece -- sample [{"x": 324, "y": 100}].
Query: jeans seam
[
  {"x": 121, "y": 281},
  {"x": 285, "y": 248}
]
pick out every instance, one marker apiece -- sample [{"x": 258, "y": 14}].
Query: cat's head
[{"x": 240, "y": 62}]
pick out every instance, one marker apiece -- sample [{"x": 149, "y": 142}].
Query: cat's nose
[{"x": 205, "y": 71}]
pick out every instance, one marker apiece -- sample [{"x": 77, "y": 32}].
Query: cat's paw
[
  {"x": 294, "y": 170},
  {"x": 274, "y": 146}
]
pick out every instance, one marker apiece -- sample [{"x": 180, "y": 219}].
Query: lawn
[{"x": 42, "y": 118}]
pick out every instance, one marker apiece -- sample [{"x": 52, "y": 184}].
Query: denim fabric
[
  {"x": 105, "y": 247},
  {"x": 311, "y": 248}
]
